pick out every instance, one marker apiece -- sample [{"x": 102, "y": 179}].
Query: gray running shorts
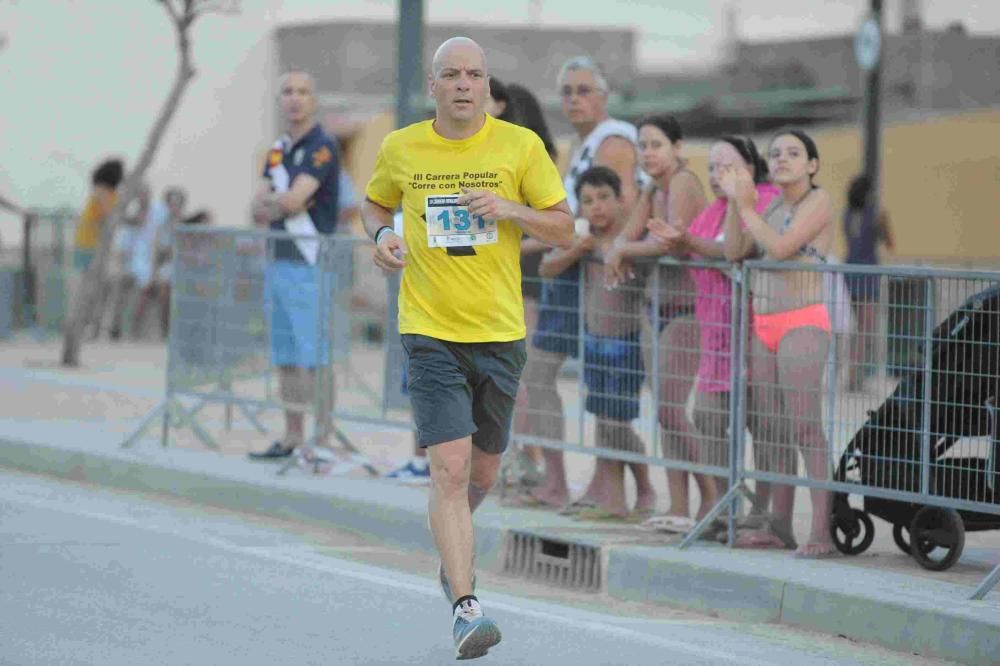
[{"x": 459, "y": 389}]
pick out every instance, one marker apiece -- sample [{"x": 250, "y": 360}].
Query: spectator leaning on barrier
[
  {"x": 524, "y": 110},
  {"x": 299, "y": 195},
  {"x": 791, "y": 332},
  {"x": 612, "y": 363},
  {"x": 702, "y": 239},
  {"x": 470, "y": 187},
  {"x": 674, "y": 194},
  {"x": 600, "y": 141}
]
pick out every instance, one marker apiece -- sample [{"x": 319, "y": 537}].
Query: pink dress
[{"x": 714, "y": 298}]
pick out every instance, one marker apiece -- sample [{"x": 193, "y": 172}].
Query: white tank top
[{"x": 583, "y": 157}]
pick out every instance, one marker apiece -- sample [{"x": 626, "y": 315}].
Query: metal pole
[
  {"x": 655, "y": 359},
  {"x": 740, "y": 325},
  {"x": 28, "y": 316},
  {"x": 926, "y": 435},
  {"x": 873, "y": 114},
  {"x": 409, "y": 72}
]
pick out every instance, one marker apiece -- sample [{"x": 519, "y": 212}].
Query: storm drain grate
[{"x": 569, "y": 565}]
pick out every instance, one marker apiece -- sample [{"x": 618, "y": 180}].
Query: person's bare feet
[
  {"x": 550, "y": 497},
  {"x": 535, "y": 498},
  {"x": 645, "y": 501},
  {"x": 816, "y": 550}
]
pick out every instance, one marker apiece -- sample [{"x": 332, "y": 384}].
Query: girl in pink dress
[{"x": 703, "y": 240}]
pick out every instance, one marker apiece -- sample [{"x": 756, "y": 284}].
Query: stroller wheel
[
  {"x": 853, "y": 539},
  {"x": 901, "y": 535},
  {"x": 935, "y": 527}
]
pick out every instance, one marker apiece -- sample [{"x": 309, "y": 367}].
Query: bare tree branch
[
  {"x": 169, "y": 6},
  {"x": 227, "y": 7},
  {"x": 93, "y": 279}
]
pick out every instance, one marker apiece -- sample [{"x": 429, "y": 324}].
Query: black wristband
[{"x": 378, "y": 234}]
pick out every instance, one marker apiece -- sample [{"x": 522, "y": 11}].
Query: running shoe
[
  {"x": 474, "y": 633},
  {"x": 413, "y": 472},
  {"x": 277, "y": 451}
]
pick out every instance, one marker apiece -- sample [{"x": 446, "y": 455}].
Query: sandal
[
  {"x": 771, "y": 535},
  {"x": 526, "y": 500},
  {"x": 639, "y": 516},
  {"x": 576, "y": 507},
  {"x": 598, "y": 515},
  {"x": 669, "y": 523},
  {"x": 817, "y": 551}
]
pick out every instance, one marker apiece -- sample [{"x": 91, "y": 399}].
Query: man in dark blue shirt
[{"x": 298, "y": 195}]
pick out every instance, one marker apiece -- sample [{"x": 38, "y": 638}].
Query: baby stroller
[{"x": 886, "y": 452}]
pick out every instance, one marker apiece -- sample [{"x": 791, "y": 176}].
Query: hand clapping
[
  {"x": 666, "y": 234},
  {"x": 738, "y": 186}
]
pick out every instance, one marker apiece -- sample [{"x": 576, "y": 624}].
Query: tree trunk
[{"x": 88, "y": 296}]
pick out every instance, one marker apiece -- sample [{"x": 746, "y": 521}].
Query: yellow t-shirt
[
  {"x": 468, "y": 294},
  {"x": 88, "y": 230}
]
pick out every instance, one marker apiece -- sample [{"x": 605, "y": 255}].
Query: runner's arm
[
  {"x": 530, "y": 245},
  {"x": 552, "y": 225},
  {"x": 390, "y": 251}
]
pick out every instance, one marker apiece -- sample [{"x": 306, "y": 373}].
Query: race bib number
[{"x": 450, "y": 224}]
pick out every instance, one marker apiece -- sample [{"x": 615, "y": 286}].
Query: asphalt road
[{"x": 89, "y": 576}]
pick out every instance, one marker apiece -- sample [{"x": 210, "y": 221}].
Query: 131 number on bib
[{"x": 450, "y": 224}]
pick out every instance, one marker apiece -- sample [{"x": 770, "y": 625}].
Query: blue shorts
[
  {"x": 660, "y": 320},
  {"x": 558, "y": 329},
  {"x": 300, "y": 303},
  {"x": 613, "y": 371}
]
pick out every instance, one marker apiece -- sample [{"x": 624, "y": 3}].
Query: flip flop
[
  {"x": 598, "y": 515},
  {"x": 769, "y": 536},
  {"x": 576, "y": 506},
  {"x": 527, "y": 501},
  {"x": 820, "y": 555},
  {"x": 669, "y": 523},
  {"x": 638, "y": 516},
  {"x": 753, "y": 521},
  {"x": 765, "y": 539}
]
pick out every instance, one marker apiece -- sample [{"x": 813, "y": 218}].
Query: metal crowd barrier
[
  {"x": 234, "y": 300},
  {"x": 35, "y": 281},
  {"x": 639, "y": 339},
  {"x": 919, "y": 443},
  {"x": 895, "y": 403}
]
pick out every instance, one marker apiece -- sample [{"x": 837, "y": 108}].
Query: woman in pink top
[
  {"x": 703, "y": 240},
  {"x": 791, "y": 333}
]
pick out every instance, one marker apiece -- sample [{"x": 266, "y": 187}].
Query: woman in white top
[{"x": 791, "y": 331}]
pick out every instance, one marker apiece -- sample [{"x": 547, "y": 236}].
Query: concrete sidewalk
[{"x": 70, "y": 424}]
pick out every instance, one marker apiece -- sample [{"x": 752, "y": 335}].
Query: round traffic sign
[{"x": 868, "y": 44}]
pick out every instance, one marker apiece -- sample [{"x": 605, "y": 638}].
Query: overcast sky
[
  {"x": 672, "y": 33},
  {"x": 82, "y": 78}
]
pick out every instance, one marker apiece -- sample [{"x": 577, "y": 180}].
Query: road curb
[
  {"x": 899, "y": 612},
  {"x": 926, "y": 617}
]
